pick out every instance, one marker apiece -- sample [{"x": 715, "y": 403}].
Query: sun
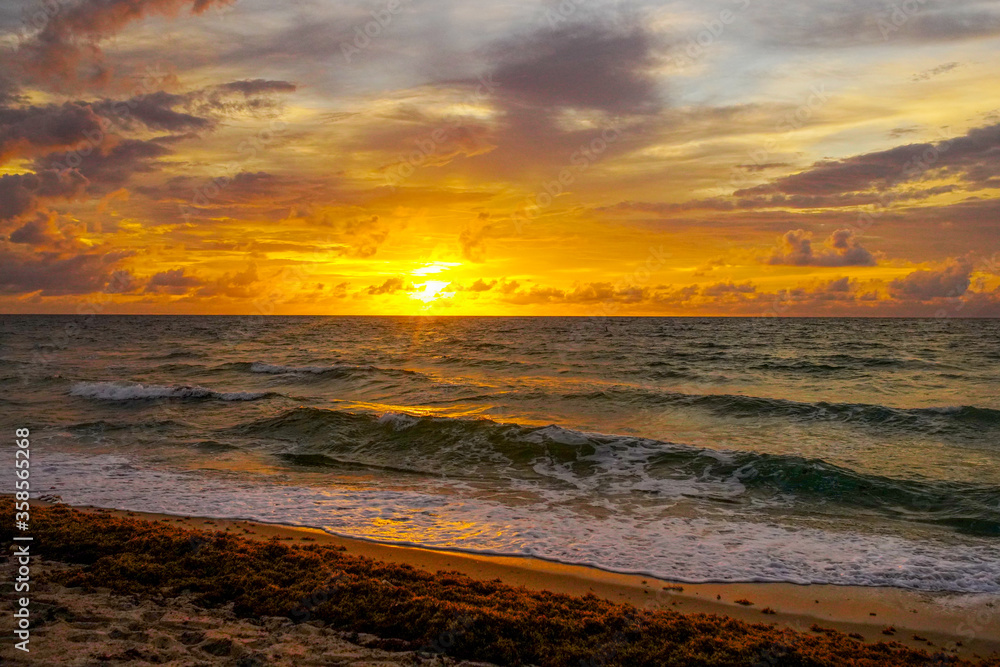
[{"x": 432, "y": 290}]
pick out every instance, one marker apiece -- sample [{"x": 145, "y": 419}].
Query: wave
[
  {"x": 933, "y": 420},
  {"x": 485, "y": 362},
  {"x": 800, "y": 366},
  {"x": 179, "y": 368},
  {"x": 104, "y": 426},
  {"x": 214, "y": 446},
  {"x": 334, "y": 371},
  {"x": 178, "y": 354},
  {"x": 601, "y": 463},
  {"x": 749, "y": 406},
  {"x": 858, "y": 361},
  {"x": 134, "y": 391}
]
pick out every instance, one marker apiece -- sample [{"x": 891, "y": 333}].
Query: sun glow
[
  {"x": 432, "y": 290},
  {"x": 433, "y": 267}
]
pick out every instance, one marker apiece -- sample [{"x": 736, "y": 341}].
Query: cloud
[
  {"x": 586, "y": 66},
  {"x": 22, "y": 195},
  {"x": 390, "y": 286},
  {"x": 555, "y": 95},
  {"x": 593, "y": 293},
  {"x": 936, "y": 71},
  {"x": 122, "y": 281},
  {"x": 250, "y": 87},
  {"x": 43, "y": 233},
  {"x": 852, "y": 23},
  {"x": 723, "y": 289},
  {"x": 112, "y": 166},
  {"x": 9, "y": 91},
  {"x": 523, "y": 108},
  {"x": 242, "y": 285},
  {"x": 951, "y": 281},
  {"x": 842, "y": 249},
  {"x": 536, "y": 294},
  {"x": 256, "y": 98},
  {"x": 365, "y": 241},
  {"x": 840, "y": 296},
  {"x": 196, "y": 110},
  {"x": 293, "y": 200},
  {"x": 838, "y": 285},
  {"x": 481, "y": 286},
  {"x": 508, "y": 286},
  {"x": 174, "y": 281},
  {"x": 35, "y": 232},
  {"x": 971, "y": 156},
  {"x": 413, "y": 140},
  {"x": 75, "y": 153},
  {"x": 154, "y": 110},
  {"x": 315, "y": 36},
  {"x": 361, "y": 237},
  {"x": 65, "y": 51},
  {"x": 472, "y": 239},
  {"x": 38, "y": 130},
  {"x": 52, "y": 274}
]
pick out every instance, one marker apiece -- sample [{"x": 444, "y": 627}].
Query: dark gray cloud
[
  {"x": 52, "y": 274},
  {"x": 75, "y": 151},
  {"x": 841, "y": 249},
  {"x": 604, "y": 68},
  {"x": 972, "y": 157},
  {"x": 585, "y": 66},
  {"x": 852, "y": 23},
  {"x": 111, "y": 168},
  {"x": 174, "y": 281},
  {"x": 196, "y": 110},
  {"x": 157, "y": 111},
  {"x": 38, "y": 130},
  {"x": 43, "y": 233},
  {"x": 953, "y": 280},
  {"x": 22, "y": 195},
  {"x": 9, "y": 91},
  {"x": 34, "y": 232}
]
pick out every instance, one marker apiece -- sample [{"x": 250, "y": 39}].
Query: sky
[{"x": 439, "y": 157}]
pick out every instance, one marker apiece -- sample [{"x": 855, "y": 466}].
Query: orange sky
[{"x": 731, "y": 157}]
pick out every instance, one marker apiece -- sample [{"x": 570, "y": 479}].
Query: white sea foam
[
  {"x": 448, "y": 516},
  {"x": 398, "y": 420},
  {"x": 132, "y": 391},
  {"x": 563, "y": 436}
]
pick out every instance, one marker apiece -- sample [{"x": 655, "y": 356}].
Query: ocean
[{"x": 832, "y": 451}]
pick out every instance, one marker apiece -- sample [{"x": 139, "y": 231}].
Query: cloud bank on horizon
[{"x": 582, "y": 157}]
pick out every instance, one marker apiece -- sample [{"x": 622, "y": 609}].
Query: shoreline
[{"x": 964, "y": 624}]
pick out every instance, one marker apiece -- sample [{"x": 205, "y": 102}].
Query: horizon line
[{"x": 592, "y": 317}]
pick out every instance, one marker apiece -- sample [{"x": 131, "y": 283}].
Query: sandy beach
[{"x": 959, "y": 625}]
